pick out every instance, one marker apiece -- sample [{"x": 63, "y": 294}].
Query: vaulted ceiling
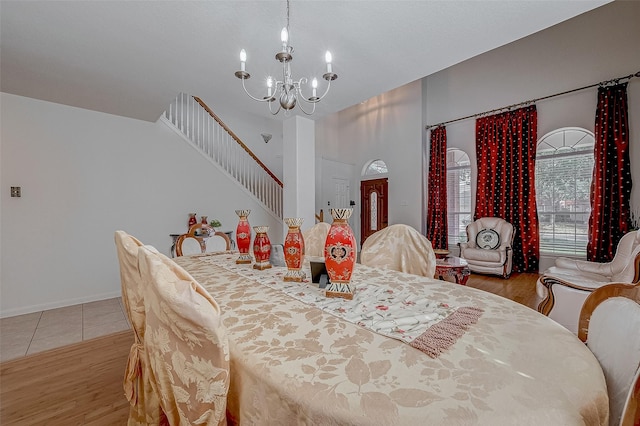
[{"x": 131, "y": 58}]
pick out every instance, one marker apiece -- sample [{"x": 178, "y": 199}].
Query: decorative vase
[
  {"x": 243, "y": 237},
  {"x": 340, "y": 255},
  {"x": 204, "y": 220},
  {"x": 261, "y": 248},
  {"x": 294, "y": 250},
  {"x": 192, "y": 219}
]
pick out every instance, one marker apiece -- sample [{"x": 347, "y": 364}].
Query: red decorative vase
[
  {"x": 340, "y": 255},
  {"x": 204, "y": 220},
  {"x": 192, "y": 219},
  {"x": 261, "y": 248},
  {"x": 294, "y": 250},
  {"x": 243, "y": 237}
]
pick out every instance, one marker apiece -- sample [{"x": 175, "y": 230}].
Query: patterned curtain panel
[
  {"x": 437, "y": 200},
  {"x": 506, "y": 154},
  {"x": 611, "y": 184}
]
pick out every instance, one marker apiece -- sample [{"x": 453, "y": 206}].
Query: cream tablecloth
[{"x": 295, "y": 364}]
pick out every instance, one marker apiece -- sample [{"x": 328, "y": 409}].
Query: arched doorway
[{"x": 373, "y": 199}]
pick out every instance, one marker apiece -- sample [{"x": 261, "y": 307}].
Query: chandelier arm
[
  {"x": 307, "y": 113},
  {"x": 249, "y": 94},
  {"x": 315, "y": 101},
  {"x": 271, "y": 110},
  {"x": 299, "y": 96}
]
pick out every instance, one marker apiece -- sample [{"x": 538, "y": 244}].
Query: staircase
[{"x": 201, "y": 127}]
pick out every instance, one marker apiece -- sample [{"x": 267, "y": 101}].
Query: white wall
[
  {"x": 387, "y": 127},
  {"x": 84, "y": 175},
  {"x": 248, "y": 128},
  {"x": 299, "y": 169},
  {"x": 597, "y": 46},
  {"x": 593, "y": 47}
]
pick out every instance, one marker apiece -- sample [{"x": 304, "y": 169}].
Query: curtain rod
[{"x": 602, "y": 83}]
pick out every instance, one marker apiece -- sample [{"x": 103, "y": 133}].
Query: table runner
[{"x": 398, "y": 313}]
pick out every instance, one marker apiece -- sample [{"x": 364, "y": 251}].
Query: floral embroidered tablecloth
[
  {"x": 292, "y": 363},
  {"x": 393, "y": 311}
]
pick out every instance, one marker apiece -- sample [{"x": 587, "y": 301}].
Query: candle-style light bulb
[
  {"x": 327, "y": 57},
  {"x": 284, "y": 37},
  {"x": 243, "y": 59},
  {"x": 314, "y": 84},
  {"x": 269, "y": 85}
]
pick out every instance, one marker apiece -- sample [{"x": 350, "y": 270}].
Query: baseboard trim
[{"x": 57, "y": 304}]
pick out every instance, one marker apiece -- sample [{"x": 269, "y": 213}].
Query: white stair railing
[{"x": 195, "y": 120}]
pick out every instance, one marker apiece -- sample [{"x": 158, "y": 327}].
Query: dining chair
[
  {"x": 187, "y": 244},
  {"x": 610, "y": 324},
  {"x": 145, "y": 404},
  {"x": 217, "y": 242},
  {"x": 186, "y": 344},
  {"x": 631, "y": 409},
  {"x": 401, "y": 248},
  {"x": 315, "y": 238}
]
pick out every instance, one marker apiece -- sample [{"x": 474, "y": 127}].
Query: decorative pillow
[{"x": 488, "y": 239}]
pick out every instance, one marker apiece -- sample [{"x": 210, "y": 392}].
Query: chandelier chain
[{"x": 287, "y": 15}]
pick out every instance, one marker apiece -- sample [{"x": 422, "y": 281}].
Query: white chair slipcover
[
  {"x": 145, "y": 404},
  {"x": 186, "y": 344},
  {"x": 401, "y": 248},
  {"x": 315, "y": 238}
]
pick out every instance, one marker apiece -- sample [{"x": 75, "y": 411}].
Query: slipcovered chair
[
  {"x": 610, "y": 324},
  {"x": 217, "y": 242},
  {"x": 401, "y": 248},
  {"x": 186, "y": 344},
  {"x": 145, "y": 404},
  {"x": 315, "y": 238},
  {"x": 563, "y": 288},
  {"x": 488, "y": 249},
  {"x": 187, "y": 244}
]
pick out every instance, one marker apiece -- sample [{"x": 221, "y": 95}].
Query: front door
[{"x": 373, "y": 199}]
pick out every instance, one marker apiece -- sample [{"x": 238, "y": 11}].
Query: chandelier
[{"x": 290, "y": 90}]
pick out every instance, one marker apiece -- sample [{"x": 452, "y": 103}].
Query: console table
[{"x": 174, "y": 238}]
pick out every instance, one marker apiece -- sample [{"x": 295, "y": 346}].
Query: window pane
[
  {"x": 373, "y": 208},
  {"x": 564, "y": 167},
  {"x": 376, "y": 167},
  {"x": 458, "y": 195}
]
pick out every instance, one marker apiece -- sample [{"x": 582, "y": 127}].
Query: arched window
[
  {"x": 458, "y": 194},
  {"x": 564, "y": 168},
  {"x": 376, "y": 167}
]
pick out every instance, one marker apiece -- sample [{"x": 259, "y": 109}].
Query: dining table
[{"x": 407, "y": 350}]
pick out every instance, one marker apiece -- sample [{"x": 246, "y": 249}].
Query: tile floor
[{"x": 30, "y": 333}]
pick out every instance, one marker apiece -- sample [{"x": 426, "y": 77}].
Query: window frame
[
  {"x": 454, "y": 215},
  {"x": 563, "y": 241}
]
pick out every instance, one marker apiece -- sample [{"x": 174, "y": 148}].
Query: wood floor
[
  {"x": 81, "y": 384},
  {"x": 78, "y": 384}
]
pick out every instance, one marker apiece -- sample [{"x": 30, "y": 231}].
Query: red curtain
[
  {"x": 506, "y": 155},
  {"x": 437, "y": 186},
  {"x": 611, "y": 184}
]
